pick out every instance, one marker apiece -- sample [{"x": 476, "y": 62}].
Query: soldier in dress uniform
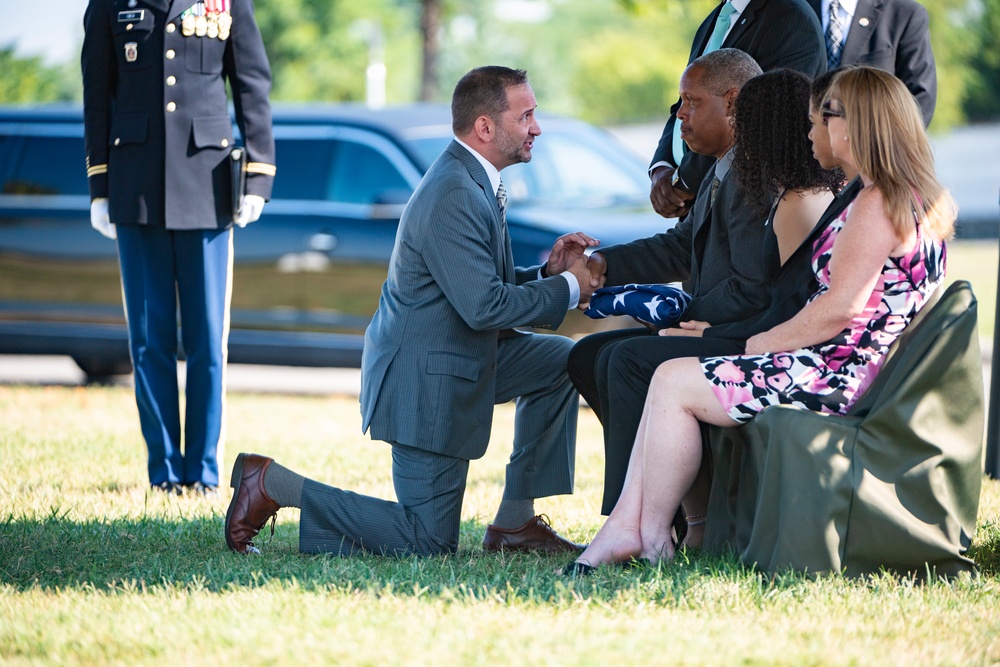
[{"x": 159, "y": 138}]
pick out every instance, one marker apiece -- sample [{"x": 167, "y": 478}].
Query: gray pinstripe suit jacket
[{"x": 429, "y": 362}]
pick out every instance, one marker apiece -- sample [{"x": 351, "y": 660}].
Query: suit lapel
[
  {"x": 703, "y": 34},
  {"x": 176, "y": 7},
  {"x": 863, "y": 23},
  {"x": 505, "y": 255},
  {"x": 703, "y": 209},
  {"x": 743, "y": 22}
]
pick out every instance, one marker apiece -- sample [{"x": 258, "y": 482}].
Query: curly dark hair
[{"x": 773, "y": 152}]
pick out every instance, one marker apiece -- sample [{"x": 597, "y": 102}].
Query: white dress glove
[
  {"x": 99, "y": 219},
  {"x": 250, "y": 209}
]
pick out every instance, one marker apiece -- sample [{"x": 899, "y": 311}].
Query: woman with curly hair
[
  {"x": 875, "y": 266},
  {"x": 774, "y": 160}
]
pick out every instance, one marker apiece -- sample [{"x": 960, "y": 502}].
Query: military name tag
[
  {"x": 131, "y": 52},
  {"x": 131, "y": 17}
]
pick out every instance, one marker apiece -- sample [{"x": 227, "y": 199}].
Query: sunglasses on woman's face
[{"x": 828, "y": 112}]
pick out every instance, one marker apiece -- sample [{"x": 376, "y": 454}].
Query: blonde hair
[{"x": 889, "y": 146}]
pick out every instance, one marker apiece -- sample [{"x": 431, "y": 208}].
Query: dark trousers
[
  {"x": 612, "y": 371},
  {"x": 160, "y": 270}
]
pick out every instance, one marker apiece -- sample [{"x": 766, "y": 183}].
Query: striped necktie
[
  {"x": 834, "y": 36},
  {"x": 502, "y": 200}
]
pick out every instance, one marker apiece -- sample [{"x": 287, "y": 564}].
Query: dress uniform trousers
[{"x": 160, "y": 269}]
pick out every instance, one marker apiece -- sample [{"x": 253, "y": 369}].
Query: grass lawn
[
  {"x": 94, "y": 569},
  {"x": 976, "y": 261}
]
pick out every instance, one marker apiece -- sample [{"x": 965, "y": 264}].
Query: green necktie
[{"x": 714, "y": 43}]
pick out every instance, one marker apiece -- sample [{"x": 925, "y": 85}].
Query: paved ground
[
  {"x": 53, "y": 370},
  {"x": 57, "y": 370}
]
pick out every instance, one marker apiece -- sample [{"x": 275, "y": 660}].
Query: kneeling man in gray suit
[{"x": 441, "y": 352}]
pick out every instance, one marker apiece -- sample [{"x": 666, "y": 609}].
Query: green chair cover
[{"x": 893, "y": 485}]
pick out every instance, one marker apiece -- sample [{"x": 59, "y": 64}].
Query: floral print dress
[{"x": 830, "y": 377}]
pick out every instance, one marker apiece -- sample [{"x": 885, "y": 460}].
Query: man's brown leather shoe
[
  {"x": 250, "y": 507},
  {"x": 536, "y": 535}
]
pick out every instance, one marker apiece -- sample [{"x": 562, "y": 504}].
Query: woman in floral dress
[{"x": 875, "y": 267}]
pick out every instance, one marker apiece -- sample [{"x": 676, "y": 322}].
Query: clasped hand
[
  {"x": 569, "y": 254},
  {"x": 667, "y": 200}
]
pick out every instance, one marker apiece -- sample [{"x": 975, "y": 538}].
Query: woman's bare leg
[
  {"x": 680, "y": 396},
  {"x": 619, "y": 539},
  {"x": 695, "y": 504},
  {"x": 679, "y": 391}
]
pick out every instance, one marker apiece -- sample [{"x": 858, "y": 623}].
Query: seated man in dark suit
[
  {"x": 633, "y": 366},
  {"x": 717, "y": 250},
  {"x": 440, "y": 352}
]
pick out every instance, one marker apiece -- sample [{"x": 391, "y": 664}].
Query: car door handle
[{"x": 323, "y": 242}]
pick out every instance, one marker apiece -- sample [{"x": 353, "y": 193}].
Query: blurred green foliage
[
  {"x": 608, "y": 61},
  {"x": 982, "y": 93},
  {"x": 30, "y": 80}
]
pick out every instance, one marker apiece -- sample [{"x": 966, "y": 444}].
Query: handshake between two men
[{"x": 569, "y": 255}]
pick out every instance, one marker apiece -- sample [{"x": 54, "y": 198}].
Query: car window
[
  {"x": 48, "y": 166},
  {"x": 576, "y": 167},
  {"x": 429, "y": 148},
  {"x": 362, "y": 175},
  {"x": 570, "y": 163},
  {"x": 336, "y": 170},
  {"x": 303, "y": 168}
]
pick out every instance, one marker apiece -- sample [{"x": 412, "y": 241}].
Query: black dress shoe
[
  {"x": 169, "y": 488},
  {"x": 577, "y": 569}
]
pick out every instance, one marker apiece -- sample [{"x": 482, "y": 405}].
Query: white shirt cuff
[
  {"x": 574, "y": 289},
  {"x": 657, "y": 165}
]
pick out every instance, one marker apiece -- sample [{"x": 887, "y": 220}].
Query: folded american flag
[{"x": 659, "y": 305}]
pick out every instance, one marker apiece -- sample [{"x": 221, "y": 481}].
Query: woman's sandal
[{"x": 576, "y": 569}]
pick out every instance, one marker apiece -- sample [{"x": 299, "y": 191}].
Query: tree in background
[
  {"x": 950, "y": 39},
  {"x": 430, "y": 32},
  {"x": 982, "y": 94},
  {"x": 608, "y": 61}
]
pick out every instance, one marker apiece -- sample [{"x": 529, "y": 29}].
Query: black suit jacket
[
  {"x": 717, "y": 251},
  {"x": 894, "y": 35},
  {"x": 795, "y": 281},
  {"x": 776, "y": 33}
]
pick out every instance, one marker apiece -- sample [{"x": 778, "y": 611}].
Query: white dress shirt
[{"x": 847, "y": 11}]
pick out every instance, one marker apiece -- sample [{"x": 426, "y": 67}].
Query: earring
[{"x": 845, "y": 137}]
